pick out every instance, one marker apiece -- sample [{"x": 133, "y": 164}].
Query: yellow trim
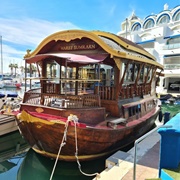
[
  {"x": 70, "y": 158},
  {"x": 73, "y": 34},
  {"x": 24, "y": 116}
]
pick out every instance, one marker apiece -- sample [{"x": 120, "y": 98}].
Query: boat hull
[
  {"x": 92, "y": 142},
  {"x": 17, "y": 85}
]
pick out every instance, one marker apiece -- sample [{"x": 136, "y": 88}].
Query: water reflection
[
  {"x": 37, "y": 167},
  {"x": 18, "y": 162},
  {"x": 19, "y": 91},
  {"x": 6, "y": 166},
  {"x": 13, "y": 148}
]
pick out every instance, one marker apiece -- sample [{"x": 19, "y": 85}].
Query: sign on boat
[{"x": 97, "y": 95}]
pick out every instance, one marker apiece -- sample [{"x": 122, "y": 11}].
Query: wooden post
[{"x": 76, "y": 82}]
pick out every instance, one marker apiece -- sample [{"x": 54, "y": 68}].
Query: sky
[{"x": 25, "y": 23}]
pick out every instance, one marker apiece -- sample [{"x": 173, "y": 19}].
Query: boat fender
[{"x": 160, "y": 115}]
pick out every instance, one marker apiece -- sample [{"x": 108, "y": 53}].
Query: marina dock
[
  {"x": 7, "y": 124},
  {"x": 121, "y": 164}
]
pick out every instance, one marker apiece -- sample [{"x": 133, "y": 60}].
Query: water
[
  {"x": 173, "y": 109},
  {"x": 19, "y": 91}
]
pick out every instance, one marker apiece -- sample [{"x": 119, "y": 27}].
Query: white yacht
[{"x": 1, "y": 84}]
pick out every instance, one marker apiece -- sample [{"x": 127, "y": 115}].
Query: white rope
[
  {"x": 76, "y": 155},
  {"x": 63, "y": 142}
]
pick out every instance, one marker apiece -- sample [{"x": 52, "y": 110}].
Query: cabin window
[
  {"x": 134, "y": 110},
  {"x": 149, "y": 105},
  {"x": 105, "y": 74},
  {"x": 60, "y": 78},
  {"x": 131, "y": 72},
  {"x": 141, "y": 78},
  {"x": 51, "y": 69},
  {"x": 148, "y": 73}
]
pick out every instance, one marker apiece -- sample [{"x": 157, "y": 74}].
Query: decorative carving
[
  {"x": 39, "y": 110},
  {"x": 68, "y": 36},
  {"x": 28, "y": 53}
]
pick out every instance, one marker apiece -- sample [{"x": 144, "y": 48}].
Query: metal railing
[{"x": 139, "y": 140}]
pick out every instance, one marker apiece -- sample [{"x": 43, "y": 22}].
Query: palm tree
[
  {"x": 34, "y": 69},
  {"x": 11, "y": 66},
  {"x": 15, "y": 67},
  {"x": 22, "y": 69}
]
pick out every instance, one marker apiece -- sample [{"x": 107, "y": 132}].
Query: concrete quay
[{"x": 120, "y": 166}]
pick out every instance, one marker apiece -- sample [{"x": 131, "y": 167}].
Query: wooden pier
[{"x": 7, "y": 124}]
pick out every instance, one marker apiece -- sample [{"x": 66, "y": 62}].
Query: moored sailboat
[{"x": 97, "y": 95}]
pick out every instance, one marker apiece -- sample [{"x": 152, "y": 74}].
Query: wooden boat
[{"x": 97, "y": 95}]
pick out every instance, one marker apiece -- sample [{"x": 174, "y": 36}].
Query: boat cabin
[{"x": 79, "y": 69}]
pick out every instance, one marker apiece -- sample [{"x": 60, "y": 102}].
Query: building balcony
[
  {"x": 171, "y": 46},
  {"x": 172, "y": 67}
]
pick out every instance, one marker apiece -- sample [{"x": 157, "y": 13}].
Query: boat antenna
[{"x": 1, "y": 56}]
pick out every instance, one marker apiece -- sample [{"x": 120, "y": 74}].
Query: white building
[{"x": 159, "y": 34}]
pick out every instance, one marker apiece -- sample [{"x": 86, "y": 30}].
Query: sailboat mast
[{"x": 1, "y": 57}]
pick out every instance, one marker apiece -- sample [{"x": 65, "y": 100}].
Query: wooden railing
[
  {"x": 131, "y": 91},
  {"x": 52, "y": 88},
  {"x": 105, "y": 92},
  {"x": 62, "y": 101}
]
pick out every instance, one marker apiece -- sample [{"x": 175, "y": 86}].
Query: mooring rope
[
  {"x": 76, "y": 153},
  {"x": 63, "y": 142}
]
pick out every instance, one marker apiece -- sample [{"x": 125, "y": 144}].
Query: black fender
[{"x": 160, "y": 116}]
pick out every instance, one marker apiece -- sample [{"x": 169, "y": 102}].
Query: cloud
[
  {"x": 19, "y": 35},
  {"x": 30, "y": 31},
  {"x": 112, "y": 10}
]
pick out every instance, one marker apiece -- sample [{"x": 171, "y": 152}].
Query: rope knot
[{"x": 72, "y": 117}]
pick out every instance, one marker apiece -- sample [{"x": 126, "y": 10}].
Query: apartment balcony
[{"x": 171, "y": 46}]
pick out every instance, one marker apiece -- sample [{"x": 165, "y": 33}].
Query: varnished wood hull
[{"x": 92, "y": 141}]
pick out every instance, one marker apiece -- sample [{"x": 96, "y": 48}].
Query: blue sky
[{"x": 25, "y": 23}]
